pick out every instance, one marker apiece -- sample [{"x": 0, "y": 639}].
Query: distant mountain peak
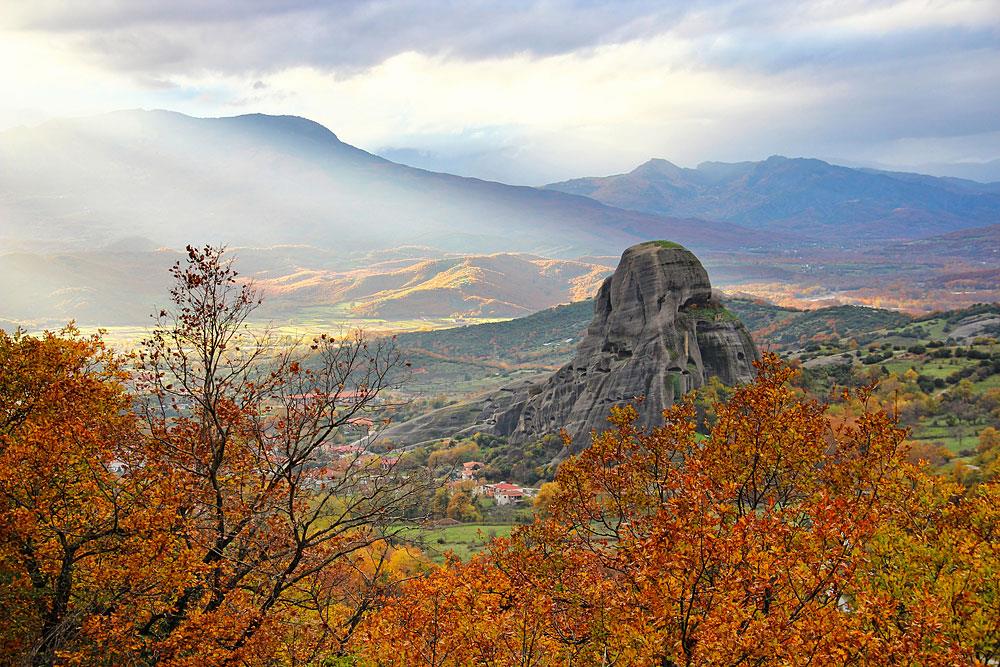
[
  {"x": 658, "y": 166},
  {"x": 287, "y": 122},
  {"x": 799, "y": 196},
  {"x": 262, "y": 180}
]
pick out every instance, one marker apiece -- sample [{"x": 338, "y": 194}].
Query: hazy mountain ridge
[
  {"x": 266, "y": 180},
  {"x": 806, "y": 196},
  {"x": 325, "y": 226}
]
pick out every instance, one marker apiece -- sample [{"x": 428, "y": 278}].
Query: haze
[{"x": 534, "y": 92}]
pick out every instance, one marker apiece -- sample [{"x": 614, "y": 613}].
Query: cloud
[
  {"x": 561, "y": 87},
  {"x": 240, "y": 36},
  {"x": 236, "y": 37}
]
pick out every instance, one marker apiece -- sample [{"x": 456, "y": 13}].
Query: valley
[
  {"x": 359, "y": 241},
  {"x": 573, "y": 333},
  {"x": 941, "y": 373},
  {"x": 845, "y": 272}
]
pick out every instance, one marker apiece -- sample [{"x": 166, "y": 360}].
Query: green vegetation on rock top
[
  {"x": 712, "y": 311},
  {"x": 665, "y": 244}
]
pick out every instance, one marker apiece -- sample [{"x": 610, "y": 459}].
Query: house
[
  {"x": 364, "y": 427},
  {"x": 507, "y": 494},
  {"x": 502, "y": 493},
  {"x": 470, "y": 468}
]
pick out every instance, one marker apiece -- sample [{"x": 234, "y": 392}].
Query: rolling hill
[
  {"x": 478, "y": 286},
  {"x": 121, "y": 287},
  {"x": 465, "y": 360},
  {"x": 806, "y": 197}
]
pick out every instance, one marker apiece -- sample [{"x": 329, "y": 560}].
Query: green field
[
  {"x": 956, "y": 438},
  {"x": 464, "y": 540}
]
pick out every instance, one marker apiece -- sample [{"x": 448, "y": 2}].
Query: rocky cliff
[{"x": 657, "y": 333}]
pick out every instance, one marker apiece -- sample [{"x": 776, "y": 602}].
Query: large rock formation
[{"x": 657, "y": 333}]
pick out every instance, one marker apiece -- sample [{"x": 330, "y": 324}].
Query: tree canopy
[
  {"x": 782, "y": 538},
  {"x": 183, "y": 506}
]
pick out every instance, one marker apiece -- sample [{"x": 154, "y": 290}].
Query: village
[{"x": 467, "y": 479}]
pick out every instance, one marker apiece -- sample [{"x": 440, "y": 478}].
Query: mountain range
[
  {"x": 260, "y": 180},
  {"x": 805, "y": 197},
  {"x": 93, "y": 210}
]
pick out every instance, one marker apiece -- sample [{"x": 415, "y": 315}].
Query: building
[
  {"x": 471, "y": 468},
  {"x": 347, "y": 451},
  {"x": 507, "y": 494},
  {"x": 502, "y": 493}
]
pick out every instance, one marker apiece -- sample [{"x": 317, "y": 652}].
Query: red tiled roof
[{"x": 506, "y": 486}]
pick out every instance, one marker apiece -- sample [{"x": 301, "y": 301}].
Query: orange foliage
[
  {"x": 78, "y": 514},
  {"x": 196, "y": 521},
  {"x": 780, "y": 539}
]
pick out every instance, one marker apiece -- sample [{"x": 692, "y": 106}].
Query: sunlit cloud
[{"x": 554, "y": 89}]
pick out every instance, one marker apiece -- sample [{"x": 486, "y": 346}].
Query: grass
[
  {"x": 955, "y": 438},
  {"x": 935, "y": 368},
  {"x": 991, "y": 382},
  {"x": 708, "y": 311},
  {"x": 464, "y": 540}
]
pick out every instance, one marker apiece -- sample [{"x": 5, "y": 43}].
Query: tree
[
  {"x": 273, "y": 527},
  {"x": 989, "y": 438},
  {"x": 74, "y": 507},
  {"x": 543, "y": 500},
  {"x": 438, "y": 506},
  {"x": 987, "y": 461},
  {"x": 783, "y": 538},
  {"x": 461, "y": 508},
  {"x": 200, "y": 520},
  {"x": 933, "y": 453}
]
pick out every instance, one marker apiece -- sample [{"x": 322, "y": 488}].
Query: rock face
[{"x": 657, "y": 333}]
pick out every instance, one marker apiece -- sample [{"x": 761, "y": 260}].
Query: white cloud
[{"x": 586, "y": 88}]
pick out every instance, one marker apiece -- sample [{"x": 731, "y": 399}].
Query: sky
[{"x": 530, "y": 92}]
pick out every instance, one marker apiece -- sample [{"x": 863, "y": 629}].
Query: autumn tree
[
  {"x": 461, "y": 507},
  {"x": 75, "y": 512},
  {"x": 184, "y": 508},
  {"x": 782, "y": 538},
  {"x": 275, "y": 531},
  {"x": 989, "y": 438}
]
